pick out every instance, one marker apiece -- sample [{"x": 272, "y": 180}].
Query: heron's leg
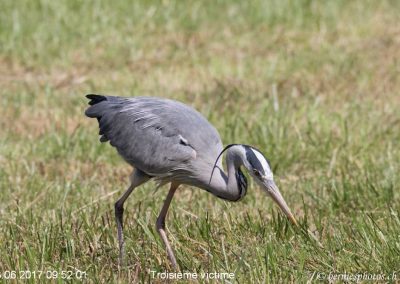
[
  {"x": 137, "y": 178},
  {"x": 160, "y": 225}
]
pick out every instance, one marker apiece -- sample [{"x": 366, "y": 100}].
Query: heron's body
[
  {"x": 172, "y": 142},
  {"x": 165, "y": 137}
]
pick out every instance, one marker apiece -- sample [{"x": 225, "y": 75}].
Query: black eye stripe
[{"x": 253, "y": 160}]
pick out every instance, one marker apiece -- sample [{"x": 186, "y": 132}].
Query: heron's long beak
[{"x": 274, "y": 192}]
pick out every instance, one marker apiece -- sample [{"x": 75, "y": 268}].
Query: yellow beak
[{"x": 276, "y": 195}]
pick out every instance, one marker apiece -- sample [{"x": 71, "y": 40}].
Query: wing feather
[{"x": 158, "y": 136}]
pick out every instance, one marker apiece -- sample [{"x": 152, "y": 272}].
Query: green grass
[{"x": 314, "y": 84}]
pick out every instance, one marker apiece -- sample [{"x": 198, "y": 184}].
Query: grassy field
[{"x": 314, "y": 84}]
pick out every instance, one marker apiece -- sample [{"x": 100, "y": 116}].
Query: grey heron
[{"x": 170, "y": 142}]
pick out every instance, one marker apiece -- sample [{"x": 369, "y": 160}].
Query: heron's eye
[{"x": 256, "y": 173}]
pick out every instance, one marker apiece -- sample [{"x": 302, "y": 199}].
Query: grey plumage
[
  {"x": 171, "y": 142},
  {"x": 161, "y": 137}
]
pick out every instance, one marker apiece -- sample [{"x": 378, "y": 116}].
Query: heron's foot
[
  {"x": 121, "y": 253},
  {"x": 119, "y": 210},
  {"x": 160, "y": 225},
  {"x": 121, "y": 244}
]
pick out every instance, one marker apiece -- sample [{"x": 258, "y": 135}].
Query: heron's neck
[{"x": 233, "y": 185}]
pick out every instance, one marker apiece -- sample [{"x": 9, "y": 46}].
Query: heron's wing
[{"x": 143, "y": 131}]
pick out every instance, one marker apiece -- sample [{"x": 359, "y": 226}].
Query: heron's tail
[
  {"x": 104, "y": 108},
  {"x": 95, "y": 99}
]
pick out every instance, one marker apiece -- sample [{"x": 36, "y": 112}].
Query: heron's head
[{"x": 259, "y": 168}]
